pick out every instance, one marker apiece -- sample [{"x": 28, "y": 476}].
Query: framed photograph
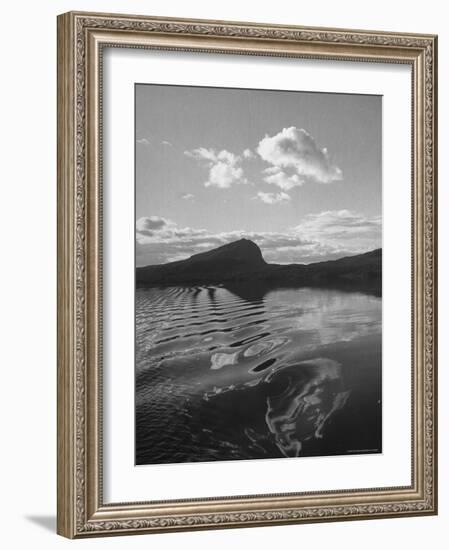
[{"x": 246, "y": 274}]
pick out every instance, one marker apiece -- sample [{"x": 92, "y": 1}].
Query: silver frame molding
[{"x": 81, "y": 39}]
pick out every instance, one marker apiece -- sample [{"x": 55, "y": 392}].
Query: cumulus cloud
[
  {"x": 295, "y": 157},
  {"x": 224, "y": 167},
  {"x": 167, "y": 143},
  {"x": 273, "y": 198},
  {"x": 188, "y": 197},
  {"x": 248, "y": 154}
]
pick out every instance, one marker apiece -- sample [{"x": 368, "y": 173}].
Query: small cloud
[
  {"x": 202, "y": 154},
  {"x": 188, "y": 197},
  {"x": 273, "y": 198},
  {"x": 167, "y": 143},
  {"x": 248, "y": 154},
  {"x": 295, "y": 157},
  {"x": 149, "y": 225},
  {"x": 224, "y": 167},
  {"x": 143, "y": 141}
]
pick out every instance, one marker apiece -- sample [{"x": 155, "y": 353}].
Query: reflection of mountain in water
[
  {"x": 247, "y": 372},
  {"x": 242, "y": 261}
]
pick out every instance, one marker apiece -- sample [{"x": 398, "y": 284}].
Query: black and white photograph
[{"x": 258, "y": 274}]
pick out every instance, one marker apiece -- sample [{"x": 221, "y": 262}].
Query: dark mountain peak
[
  {"x": 236, "y": 260},
  {"x": 242, "y": 251},
  {"x": 242, "y": 261}
]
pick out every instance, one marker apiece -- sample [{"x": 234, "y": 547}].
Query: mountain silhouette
[{"x": 242, "y": 262}]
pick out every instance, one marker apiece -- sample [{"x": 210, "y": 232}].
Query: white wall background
[{"x": 28, "y": 271}]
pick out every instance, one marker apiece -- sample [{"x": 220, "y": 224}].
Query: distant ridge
[{"x": 242, "y": 261}]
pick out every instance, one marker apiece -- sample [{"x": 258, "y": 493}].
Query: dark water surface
[{"x": 241, "y": 373}]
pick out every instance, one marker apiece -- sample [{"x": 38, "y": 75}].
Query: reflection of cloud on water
[
  {"x": 264, "y": 347},
  {"x": 219, "y": 360},
  {"x": 330, "y": 317},
  {"x": 249, "y": 354},
  {"x": 337, "y": 328},
  {"x": 301, "y": 399}
]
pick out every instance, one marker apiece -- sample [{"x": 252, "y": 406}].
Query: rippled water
[{"x": 241, "y": 373}]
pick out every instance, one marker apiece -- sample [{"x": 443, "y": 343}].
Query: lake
[{"x": 253, "y": 373}]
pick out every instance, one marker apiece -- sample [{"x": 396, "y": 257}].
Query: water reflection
[
  {"x": 312, "y": 391},
  {"x": 250, "y": 372}
]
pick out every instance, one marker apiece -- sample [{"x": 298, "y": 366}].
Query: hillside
[{"x": 242, "y": 261}]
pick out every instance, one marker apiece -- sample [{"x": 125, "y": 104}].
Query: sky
[{"x": 298, "y": 173}]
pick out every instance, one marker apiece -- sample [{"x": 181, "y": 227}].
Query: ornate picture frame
[{"x": 82, "y": 39}]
